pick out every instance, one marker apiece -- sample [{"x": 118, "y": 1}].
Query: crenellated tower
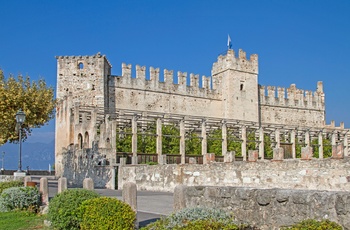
[
  {"x": 85, "y": 77},
  {"x": 237, "y": 79}
]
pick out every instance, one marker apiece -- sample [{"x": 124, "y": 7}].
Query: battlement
[
  {"x": 165, "y": 83},
  {"x": 292, "y": 97},
  {"x": 82, "y": 59},
  {"x": 230, "y": 62}
]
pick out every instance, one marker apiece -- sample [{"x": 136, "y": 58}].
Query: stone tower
[
  {"x": 237, "y": 78},
  {"x": 84, "y": 77}
]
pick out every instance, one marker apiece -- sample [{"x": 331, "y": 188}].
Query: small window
[
  {"x": 241, "y": 87},
  {"x": 81, "y": 65}
]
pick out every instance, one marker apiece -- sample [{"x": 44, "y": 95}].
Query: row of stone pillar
[{"x": 243, "y": 139}]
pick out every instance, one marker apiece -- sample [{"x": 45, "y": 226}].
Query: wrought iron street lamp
[
  {"x": 2, "y": 160},
  {"x": 20, "y": 118}
]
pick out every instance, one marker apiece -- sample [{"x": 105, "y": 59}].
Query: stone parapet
[
  {"x": 320, "y": 174},
  {"x": 268, "y": 208}
]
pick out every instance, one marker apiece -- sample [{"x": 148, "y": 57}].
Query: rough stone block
[
  {"x": 44, "y": 190},
  {"x": 229, "y": 157},
  {"x": 192, "y": 160},
  {"x": 62, "y": 184},
  {"x": 278, "y": 154},
  {"x": 208, "y": 158},
  {"x": 134, "y": 160},
  {"x": 162, "y": 159},
  {"x": 338, "y": 151},
  {"x": 122, "y": 161},
  {"x": 306, "y": 153},
  {"x": 253, "y": 155},
  {"x": 129, "y": 194},
  {"x": 27, "y": 179},
  {"x": 88, "y": 183},
  {"x": 179, "y": 197}
]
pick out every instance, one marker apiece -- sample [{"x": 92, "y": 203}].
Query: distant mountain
[{"x": 35, "y": 155}]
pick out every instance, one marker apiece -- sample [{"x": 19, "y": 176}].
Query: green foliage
[
  {"x": 10, "y": 184},
  {"x": 171, "y": 139},
  {"x": 34, "y": 98},
  {"x": 315, "y": 225},
  {"x": 106, "y": 213},
  {"x": 21, "y": 220},
  {"x": 196, "y": 218},
  {"x": 63, "y": 208},
  {"x": 327, "y": 147},
  {"x": 22, "y": 198},
  {"x": 123, "y": 142},
  {"x": 193, "y": 144},
  {"x": 268, "y": 152}
]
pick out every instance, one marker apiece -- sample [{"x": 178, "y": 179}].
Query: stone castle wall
[
  {"x": 268, "y": 208},
  {"x": 317, "y": 174}
]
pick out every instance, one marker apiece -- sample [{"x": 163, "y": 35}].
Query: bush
[
  {"x": 10, "y": 184},
  {"x": 23, "y": 198},
  {"x": 63, "y": 208},
  {"x": 196, "y": 218},
  {"x": 315, "y": 225},
  {"x": 106, "y": 213}
]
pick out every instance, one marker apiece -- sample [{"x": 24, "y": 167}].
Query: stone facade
[
  {"x": 268, "y": 208},
  {"x": 317, "y": 174},
  {"x": 93, "y": 105}
]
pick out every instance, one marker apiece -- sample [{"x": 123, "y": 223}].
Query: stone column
[
  {"x": 134, "y": 139},
  {"x": 62, "y": 184},
  {"x": 307, "y": 138},
  {"x": 129, "y": 194},
  {"x": 334, "y": 142},
  {"x": 159, "y": 139},
  {"x": 320, "y": 145},
  {"x": 204, "y": 138},
  {"x": 224, "y": 139},
  {"x": 346, "y": 147},
  {"x": 182, "y": 142},
  {"x": 292, "y": 140},
  {"x": 114, "y": 135},
  {"x": 277, "y": 138},
  {"x": 180, "y": 197},
  {"x": 261, "y": 144},
  {"x": 44, "y": 190},
  {"x": 88, "y": 184},
  {"x": 244, "y": 142}
]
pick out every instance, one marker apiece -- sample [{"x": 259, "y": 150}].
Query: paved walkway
[{"x": 150, "y": 205}]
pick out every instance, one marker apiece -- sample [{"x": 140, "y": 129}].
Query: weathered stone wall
[
  {"x": 320, "y": 174},
  {"x": 88, "y": 163},
  {"x": 269, "y": 208}
]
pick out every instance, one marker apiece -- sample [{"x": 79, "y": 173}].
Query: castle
[{"x": 93, "y": 105}]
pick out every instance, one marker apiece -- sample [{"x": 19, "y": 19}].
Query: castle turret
[
  {"x": 84, "y": 77},
  {"x": 237, "y": 79}
]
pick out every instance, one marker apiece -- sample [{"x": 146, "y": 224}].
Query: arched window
[
  {"x": 86, "y": 138},
  {"x": 80, "y": 141},
  {"x": 81, "y": 65}
]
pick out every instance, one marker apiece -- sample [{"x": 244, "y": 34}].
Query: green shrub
[
  {"x": 196, "y": 218},
  {"x": 106, "y": 213},
  {"x": 10, "y": 184},
  {"x": 23, "y": 198},
  {"x": 63, "y": 208},
  {"x": 315, "y": 225}
]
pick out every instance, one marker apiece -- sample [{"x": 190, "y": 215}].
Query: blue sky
[{"x": 299, "y": 42}]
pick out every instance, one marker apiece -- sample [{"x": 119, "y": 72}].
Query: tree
[{"x": 36, "y": 99}]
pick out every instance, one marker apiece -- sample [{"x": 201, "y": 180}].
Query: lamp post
[
  {"x": 20, "y": 118},
  {"x": 2, "y": 160}
]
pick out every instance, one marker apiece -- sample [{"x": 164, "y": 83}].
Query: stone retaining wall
[
  {"x": 316, "y": 174},
  {"x": 268, "y": 208}
]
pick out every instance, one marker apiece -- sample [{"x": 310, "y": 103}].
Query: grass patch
[{"x": 22, "y": 220}]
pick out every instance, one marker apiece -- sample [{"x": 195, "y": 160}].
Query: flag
[{"x": 229, "y": 44}]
